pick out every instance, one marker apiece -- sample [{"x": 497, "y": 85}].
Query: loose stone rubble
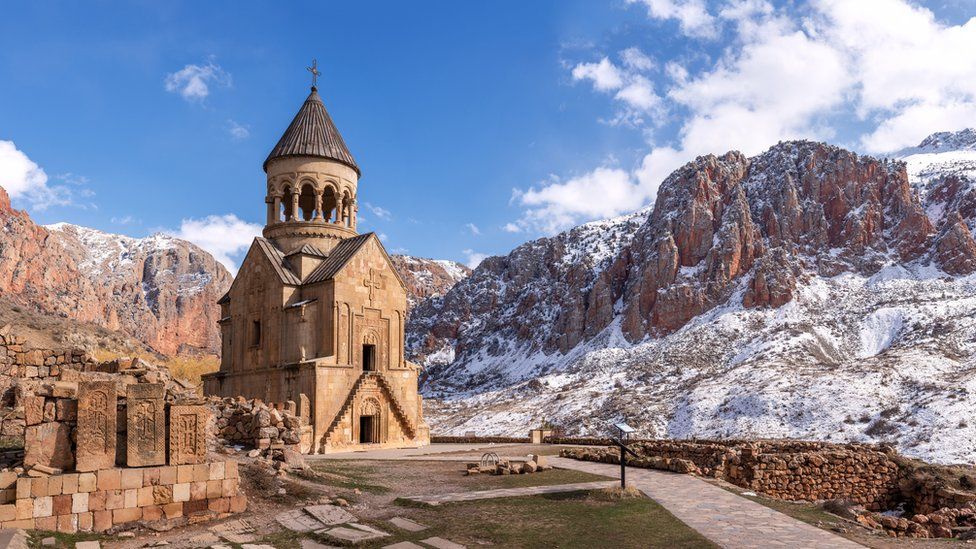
[
  {"x": 532, "y": 464},
  {"x": 260, "y": 425}
]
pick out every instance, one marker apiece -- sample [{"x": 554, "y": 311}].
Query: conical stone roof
[{"x": 312, "y": 133}]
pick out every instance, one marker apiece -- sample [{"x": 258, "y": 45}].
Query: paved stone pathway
[
  {"x": 721, "y": 516},
  {"x": 454, "y": 497},
  {"x": 12, "y": 538}
]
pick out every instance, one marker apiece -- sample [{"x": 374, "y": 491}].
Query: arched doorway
[{"x": 369, "y": 422}]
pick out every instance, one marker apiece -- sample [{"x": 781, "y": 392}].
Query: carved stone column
[
  {"x": 318, "y": 206},
  {"x": 271, "y": 212},
  {"x": 339, "y": 205},
  {"x": 354, "y": 210},
  {"x": 277, "y": 208},
  {"x": 294, "y": 207}
]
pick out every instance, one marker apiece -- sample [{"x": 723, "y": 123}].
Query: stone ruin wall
[
  {"x": 105, "y": 444},
  {"x": 873, "y": 476}
]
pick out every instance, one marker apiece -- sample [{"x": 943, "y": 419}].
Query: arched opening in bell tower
[{"x": 306, "y": 202}]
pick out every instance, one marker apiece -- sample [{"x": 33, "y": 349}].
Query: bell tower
[{"x": 312, "y": 179}]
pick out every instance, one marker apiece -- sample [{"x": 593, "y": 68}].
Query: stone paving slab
[
  {"x": 330, "y": 515},
  {"x": 13, "y": 538},
  {"x": 404, "y": 545},
  {"x": 454, "y": 497},
  {"x": 298, "y": 521},
  {"x": 407, "y": 524},
  {"x": 354, "y": 536},
  {"x": 441, "y": 543},
  {"x": 723, "y": 517}
]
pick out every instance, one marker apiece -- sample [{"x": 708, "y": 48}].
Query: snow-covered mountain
[
  {"x": 427, "y": 278},
  {"x": 807, "y": 292}
]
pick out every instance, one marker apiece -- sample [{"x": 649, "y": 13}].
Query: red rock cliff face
[
  {"x": 426, "y": 278},
  {"x": 724, "y": 229},
  {"x": 160, "y": 290}
]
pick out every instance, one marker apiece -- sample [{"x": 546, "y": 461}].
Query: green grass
[
  {"x": 350, "y": 475},
  {"x": 575, "y": 519},
  {"x": 543, "y": 478},
  {"x": 67, "y": 541}
]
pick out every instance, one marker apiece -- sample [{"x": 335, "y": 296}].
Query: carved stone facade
[{"x": 316, "y": 313}]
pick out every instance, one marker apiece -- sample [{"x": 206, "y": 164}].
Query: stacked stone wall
[{"x": 96, "y": 501}]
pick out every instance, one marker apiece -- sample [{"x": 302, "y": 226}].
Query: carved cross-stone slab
[
  {"x": 145, "y": 425},
  {"x": 374, "y": 282},
  {"x": 96, "y": 425},
  {"x": 188, "y": 434}
]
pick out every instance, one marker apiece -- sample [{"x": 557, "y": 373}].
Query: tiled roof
[
  {"x": 312, "y": 133},
  {"x": 308, "y": 249},
  {"x": 278, "y": 261},
  {"x": 340, "y": 254}
]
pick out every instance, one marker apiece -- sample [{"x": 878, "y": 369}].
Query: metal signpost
[{"x": 624, "y": 431}]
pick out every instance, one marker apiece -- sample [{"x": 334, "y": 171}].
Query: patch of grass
[
  {"x": 66, "y": 541},
  {"x": 348, "y": 475},
  {"x": 574, "y": 519},
  {"x": 543, "y": 478}
]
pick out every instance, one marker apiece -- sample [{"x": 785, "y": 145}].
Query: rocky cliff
[
  {"x": 159, "y": 290},
  {"x": 426, "y": 278},
  {"x": 801, "y": 292}
]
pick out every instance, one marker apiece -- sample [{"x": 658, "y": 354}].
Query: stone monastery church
[{"x": 316, "y": 313}]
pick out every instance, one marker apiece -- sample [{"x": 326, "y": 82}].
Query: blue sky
[{"x": 478, "y": 126}]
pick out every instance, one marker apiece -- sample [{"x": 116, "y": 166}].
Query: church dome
[{"x": 312, "y": 133}]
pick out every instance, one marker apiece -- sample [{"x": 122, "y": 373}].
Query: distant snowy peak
[
  {"x": 941, "y": 154},
  {"x": 427, "y": 278},
  {"x": 100, "y": 251}
]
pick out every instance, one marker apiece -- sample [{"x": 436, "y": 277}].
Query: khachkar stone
[
  {"x": 145, "y": 425},
  {"x": 96, "y": 425},
  {"x": 187, "y": 434}
]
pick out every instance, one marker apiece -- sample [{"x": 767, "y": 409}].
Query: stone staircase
[{"x": 384, "y": 385}]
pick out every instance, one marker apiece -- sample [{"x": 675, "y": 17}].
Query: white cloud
[
  {"x": 637, "y": 60},
  {"x": 634, "y": 90},
  {"x": 511, "y": 228},
  {"x": 237, "y": 131},
  {"x": 691, "y": 15},
  {"x": 379, "y": 212},
  {"x": 27, "y": 183},
  {"x": 473, "y": 228},
  {"x": 383, "y": 237},
  {"x": 558, "y": 205},
  {"x": 124, "y": 220},
  {"x": 193, "y": 82},
  {"x": 472, "y": 258},
  {"x": 224, "y": 236}
]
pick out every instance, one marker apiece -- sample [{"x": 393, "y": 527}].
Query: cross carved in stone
[{"x": 374, "y": 282}]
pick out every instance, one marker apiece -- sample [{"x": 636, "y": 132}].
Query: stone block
[
  {"x": 187, "y": 434},
  {"x": 194, "y": 506},
  {"x": 131, "y": 478},
  {"x": 39, "y": 487},
  {"x": 173, "y": 510},
  {"x": 8, "y": 496},
  {"x": 181, "y": 492},
  {"x": 201, "y": 472},
  {"x": 198, "y": 491},
  {"x": 87, "y": 482},
  {"x": 231, "y": 469},
  {"x": 101, "y": 520},
  {"x": 43, "y": 507},
  {"x": 146, "y": 425},
  {"x": 167, "y": 475},
  {"x": 67, "y": 524},
  {"x": 219, "y": 505},
  {"x": 229, "y": 487},
  {"x": 33, "y": 410},
  {"x": 85, "y": 522},
  {"x": 24, "y": 488},
  {"x": 97, "y": 422},
  {"x": 8, "y": 479},
  {"x": 162, "y": 494},
  {"x": 55, "y": 484},
  {"x": 25, "y": 508},
  {"x": 151, "y": 513},
  {"x": 109, "y": 479},
  {"x": 96, "y": 500},
  {"x": 49, "y": 444},
  {"x": 114, "y": 499},
  {"x": 217, "y": 470},
  {"x": 8, "y": 512},
  {"x": 184, "y": 473},
  {"x": 46, "y": 523},
  {"x": 238, "y": 504},
  {"x": 66, "y": 409},
  {"x": 130, "y": 498},
  {"x": 69, "y": 483},
  {"x": 144, "y": 496},
  {"x": 49, "y": 411},
  {"x": 61, "y": 505},
  {"x": 24, "y": 524},
  {"x": 131, "y": 514},
  {"x": 214, "y": 489},
  {"x": 79, "y": 502},
  {"x": 150, "y": 476}
]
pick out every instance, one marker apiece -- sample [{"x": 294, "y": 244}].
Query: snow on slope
[{"x": 888, "y": 356}]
